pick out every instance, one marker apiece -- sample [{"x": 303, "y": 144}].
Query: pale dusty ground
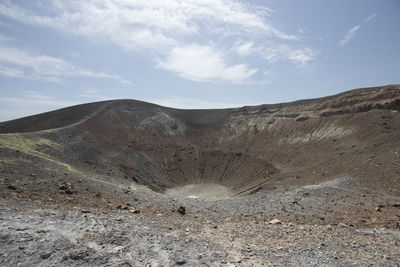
[{"x": 238, "y": 231}]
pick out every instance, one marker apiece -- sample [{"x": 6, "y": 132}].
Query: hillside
[{"x": 241, "y": 148}]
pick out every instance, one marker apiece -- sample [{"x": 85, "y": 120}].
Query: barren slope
[{"x": 354, "y": 134}]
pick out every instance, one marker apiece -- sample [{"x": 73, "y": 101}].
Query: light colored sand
[{"x": 202, "y": 191}]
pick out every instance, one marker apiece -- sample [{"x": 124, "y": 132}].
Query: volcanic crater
[
  {"x": 305, "y": 162},
  {"x": 243, "y": 149}
]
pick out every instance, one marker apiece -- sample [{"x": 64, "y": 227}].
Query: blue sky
[{"x": 192, "y": 54}]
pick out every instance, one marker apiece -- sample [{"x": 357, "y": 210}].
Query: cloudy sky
[{"x": 192, "y": 53}]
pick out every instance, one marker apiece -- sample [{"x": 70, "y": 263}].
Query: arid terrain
[{"x": 128, "y": 183}]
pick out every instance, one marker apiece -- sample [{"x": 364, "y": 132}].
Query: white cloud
[
  {"x": 245, "y": 49},
  {"x": 300, "y": 57},
  {"x": 204, "y": 63},
  {"x": 168, "y": 28},
  {"x": 350, "y": 34},
  {"x": 31, "y": 103},
  {"x": 192, "y": 103},
  {"x": 95, "y": 95},
  {"x": 19, "y": 63},
  {"x": 11, "y": 72},
  {"x": 149, "y": 23}
]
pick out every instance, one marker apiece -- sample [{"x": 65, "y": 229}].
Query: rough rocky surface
[{"x": 313, "y": 182}]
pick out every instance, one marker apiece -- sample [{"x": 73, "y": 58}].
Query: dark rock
[
  {"x": 122, "y": 207},
  {"x": 379, "y": 207},
  {"x": 78, "y": 256},
  {"x": 302, "y": 118},
  {"x": 135, "y": 211},
  {"x": 181, "y": 210},
  {"x": 69, "y": 192},
  {"x": 181, "y": 262},
  {"x": 12, "y": 187},
  {"x": 65, "y": 186},
  {"x": 45, "y": 255}
]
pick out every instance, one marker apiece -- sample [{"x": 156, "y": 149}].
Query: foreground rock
[{"x": 35, "y": 236}]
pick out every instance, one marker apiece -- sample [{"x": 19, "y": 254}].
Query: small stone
[
  {"x": 69, "y": 192},
  {"x": 136, "y": 211},
  {"x": 64, "y": 258},
  {"x": 181, "y": 210},
  {"x": 379, "y": 208},
  {"x": 45, "y": 255},
  {"x": 180, "y": 262},
  {"x": 65, "y": 186},
  {"x": 12, "y": 187},
  {"x": 275, "y": 222},
  {"x": 76, "y": 257}
]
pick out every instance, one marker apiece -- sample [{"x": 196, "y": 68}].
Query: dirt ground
[{"x": 299, "y": 226}]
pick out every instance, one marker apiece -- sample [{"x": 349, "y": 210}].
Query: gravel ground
[{"x": 281, "y": 227}]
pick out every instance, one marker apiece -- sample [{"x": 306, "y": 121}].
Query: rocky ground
[{"x": 280, "y": 227}]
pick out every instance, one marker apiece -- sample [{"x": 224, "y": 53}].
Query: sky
[{"x": 192, "y": 53}]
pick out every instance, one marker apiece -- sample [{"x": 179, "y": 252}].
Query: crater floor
[{"x": 201, "y": 191}]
